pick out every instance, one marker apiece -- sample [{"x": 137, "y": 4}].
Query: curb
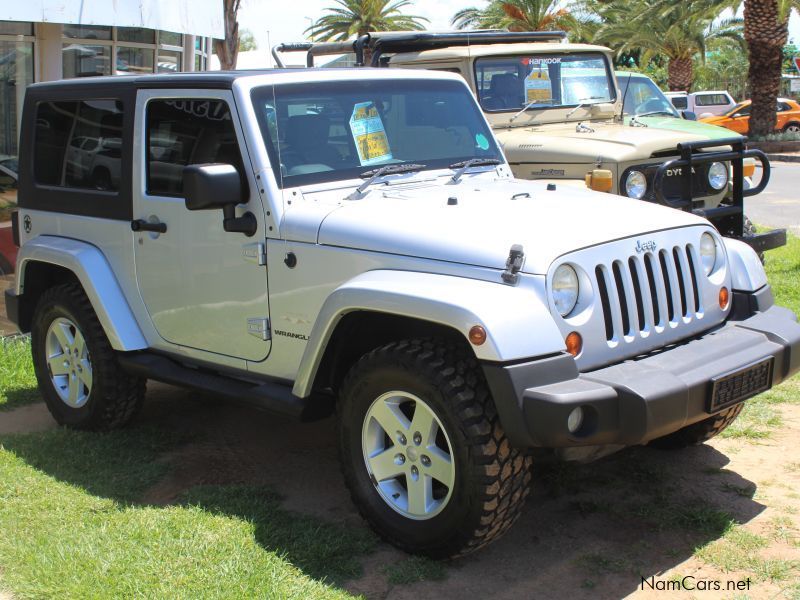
[{"x": 795, "y": 158}]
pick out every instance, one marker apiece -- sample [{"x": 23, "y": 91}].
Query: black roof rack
[{"x": 414, "y": 41}]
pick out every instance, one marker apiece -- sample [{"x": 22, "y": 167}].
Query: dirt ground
[{"x": 588, "y": 531}]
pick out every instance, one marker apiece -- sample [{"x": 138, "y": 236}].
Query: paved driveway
[{"x": 779, "y": 204}]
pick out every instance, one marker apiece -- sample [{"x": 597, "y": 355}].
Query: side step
[{"x": 273, "y": 397}]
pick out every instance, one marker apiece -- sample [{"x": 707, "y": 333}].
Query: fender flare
[
  {"x": 747, "y": 272},
  {"x": 517, "y": 323},
  {"x": 101, "y": 287}
]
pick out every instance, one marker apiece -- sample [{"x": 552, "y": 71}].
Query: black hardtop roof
[{"x": 204, "y": 79}]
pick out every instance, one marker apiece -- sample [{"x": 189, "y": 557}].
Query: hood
[
  {"x": 489, "y": 217},
  {"x": 704, "y": 128},
  {"x": 717, "y": 120},
  {"x": 611, "y": 142}
]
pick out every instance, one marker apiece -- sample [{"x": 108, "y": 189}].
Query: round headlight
[
  {"x": 718, "y": 176},
  {"x": 636, "y": 185},
  {"x": 708, "y": 252},
  {"x": 565, "y": 289}
]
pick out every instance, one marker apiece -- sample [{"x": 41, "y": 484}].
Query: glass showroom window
[
  {"x": 86, "y": 51},
  {"x": 16, "y": 73},
  {"x": 135, "y": 51},
  {"x": 170, "y": 52},
  {"x": 200, "y": 53}
]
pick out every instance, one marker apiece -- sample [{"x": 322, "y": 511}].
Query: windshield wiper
[
  {"x": 527, "y": 106},
  {"x": 654, "y": 112},
  {"x": 463, "y": 165},
  {"x": 373, "y": 174},
  {"x": 585, "y": 102}
]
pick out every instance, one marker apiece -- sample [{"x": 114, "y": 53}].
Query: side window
[
  {"x": 187, "y": 132},
  {"x": 680, "y": 102},
  {"x": 783, "y": 107},
  {"x": 711, "y": 100},
  {"x": 67, "y": 136}
]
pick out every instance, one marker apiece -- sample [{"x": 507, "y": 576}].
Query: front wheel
[
  {"x": 423, "y": 453},
  {"x": 792, "y": 128}
]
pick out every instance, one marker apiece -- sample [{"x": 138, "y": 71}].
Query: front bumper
[{"x": 639, "y": 400}]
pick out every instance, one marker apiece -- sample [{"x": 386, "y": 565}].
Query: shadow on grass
[{"x": 603, "y": 526}]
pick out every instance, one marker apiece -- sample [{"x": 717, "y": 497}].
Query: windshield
[
  {"x": 331, "y": 131},
  {"x": 643, "y": 96},
  {"x": 543, "y": 81}
]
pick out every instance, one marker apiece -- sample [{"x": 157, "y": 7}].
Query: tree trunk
[
  {"x": 766, "y": 34},
  {"x": 680, "y": 74},
  {"x": 228, "y": 49}
]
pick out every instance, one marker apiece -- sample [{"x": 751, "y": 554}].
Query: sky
[{"x": 276, "y": 21}]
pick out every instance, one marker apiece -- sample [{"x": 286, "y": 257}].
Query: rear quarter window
[
  {"x": 67, "y": 137},
  {"x": 711, "y": 100}
]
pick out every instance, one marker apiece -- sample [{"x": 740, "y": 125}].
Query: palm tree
[
  {"x": 516, "y": 15},
  {"x": 356, "y": 17},
  {"x": 766, "y": 29},
  {"x": 678, "y": 31}
]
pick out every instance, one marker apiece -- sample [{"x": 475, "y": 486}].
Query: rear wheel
[
  {"x": 423, "y": 452},
  {"x": 76, "y": 367},
  {"x": 699, "y": 432},
  {"x": 792, "y": 128}
]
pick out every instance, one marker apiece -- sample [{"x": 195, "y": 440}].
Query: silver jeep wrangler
[{"x": 353, "y": 241}]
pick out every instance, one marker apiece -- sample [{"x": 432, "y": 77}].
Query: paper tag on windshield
[
  {"x": 369, "y": 134},
  {"x": 537, "y": 86}
]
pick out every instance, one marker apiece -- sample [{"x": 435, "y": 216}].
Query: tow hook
[{"x": 516, "y": 257}]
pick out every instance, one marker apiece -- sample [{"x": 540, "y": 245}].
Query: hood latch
[{"x": 516, "y": 257}]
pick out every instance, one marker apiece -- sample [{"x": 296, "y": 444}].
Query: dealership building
[{"x": 45, "y": 40}]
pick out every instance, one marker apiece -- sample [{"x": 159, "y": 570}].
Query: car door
[{"x": 204, "y": 288}]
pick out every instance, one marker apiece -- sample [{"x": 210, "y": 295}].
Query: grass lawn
[
  {"x": 73, "y": 524},
  {"x": 17, "y": 381}
]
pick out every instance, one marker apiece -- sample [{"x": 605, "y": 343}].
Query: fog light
[
  {"x": 574, "y": 343},
  {"x": 575, "y": 419},
  {"x": 724, "y": 298},
  {"x": 477, "y": 335}
]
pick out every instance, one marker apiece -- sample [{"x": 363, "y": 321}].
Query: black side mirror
[
  {"x": 689, "y": 115},
  {"x": 218, "y": 186}
]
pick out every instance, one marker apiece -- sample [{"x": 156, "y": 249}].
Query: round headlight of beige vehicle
[
  {"x": 565, "y": 289},
  {"x": 635, "y": 185},
  {"x": 718, "y": 176},
  {"x": 708, "y": 253}
]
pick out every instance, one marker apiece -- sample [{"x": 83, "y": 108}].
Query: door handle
[{"x": 142, "y": 225}]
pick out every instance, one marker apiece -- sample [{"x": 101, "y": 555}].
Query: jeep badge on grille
[{"x": 649, "y": 245}]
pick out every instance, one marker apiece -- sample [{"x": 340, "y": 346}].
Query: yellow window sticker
[
  {"x": 369, "y": 134},
  {"x": 537, "y": 84}
]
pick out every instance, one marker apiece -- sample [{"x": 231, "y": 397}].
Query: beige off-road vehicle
[{"x": 557, "y": 111}]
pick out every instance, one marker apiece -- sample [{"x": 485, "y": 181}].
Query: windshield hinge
[
  {"x": 259, "y": 327},
  {"x": 516, "y": 257},
  {"x": 255, "y": 253}
]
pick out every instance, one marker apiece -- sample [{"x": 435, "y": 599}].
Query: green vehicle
[{"x": 644, "y": 103}]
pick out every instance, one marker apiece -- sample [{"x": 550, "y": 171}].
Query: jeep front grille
[{"x": 649, "y": 292}]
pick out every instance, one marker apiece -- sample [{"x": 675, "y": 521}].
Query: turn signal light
[
  {"x": 600, "y": 180},
  {"x": 477, "y": 335},
  {"x": 574, "y": 343},
  {"x": 749, "y": 168},
  {"x": 724, "y": 298}
]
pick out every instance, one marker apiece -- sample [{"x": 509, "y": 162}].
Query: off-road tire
[
  {"x": 749, "y": 230},
  {"x": 492, "y": 478},
  {"x": 699, "y": 432},
  {"x": 115, "y": 396}
]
